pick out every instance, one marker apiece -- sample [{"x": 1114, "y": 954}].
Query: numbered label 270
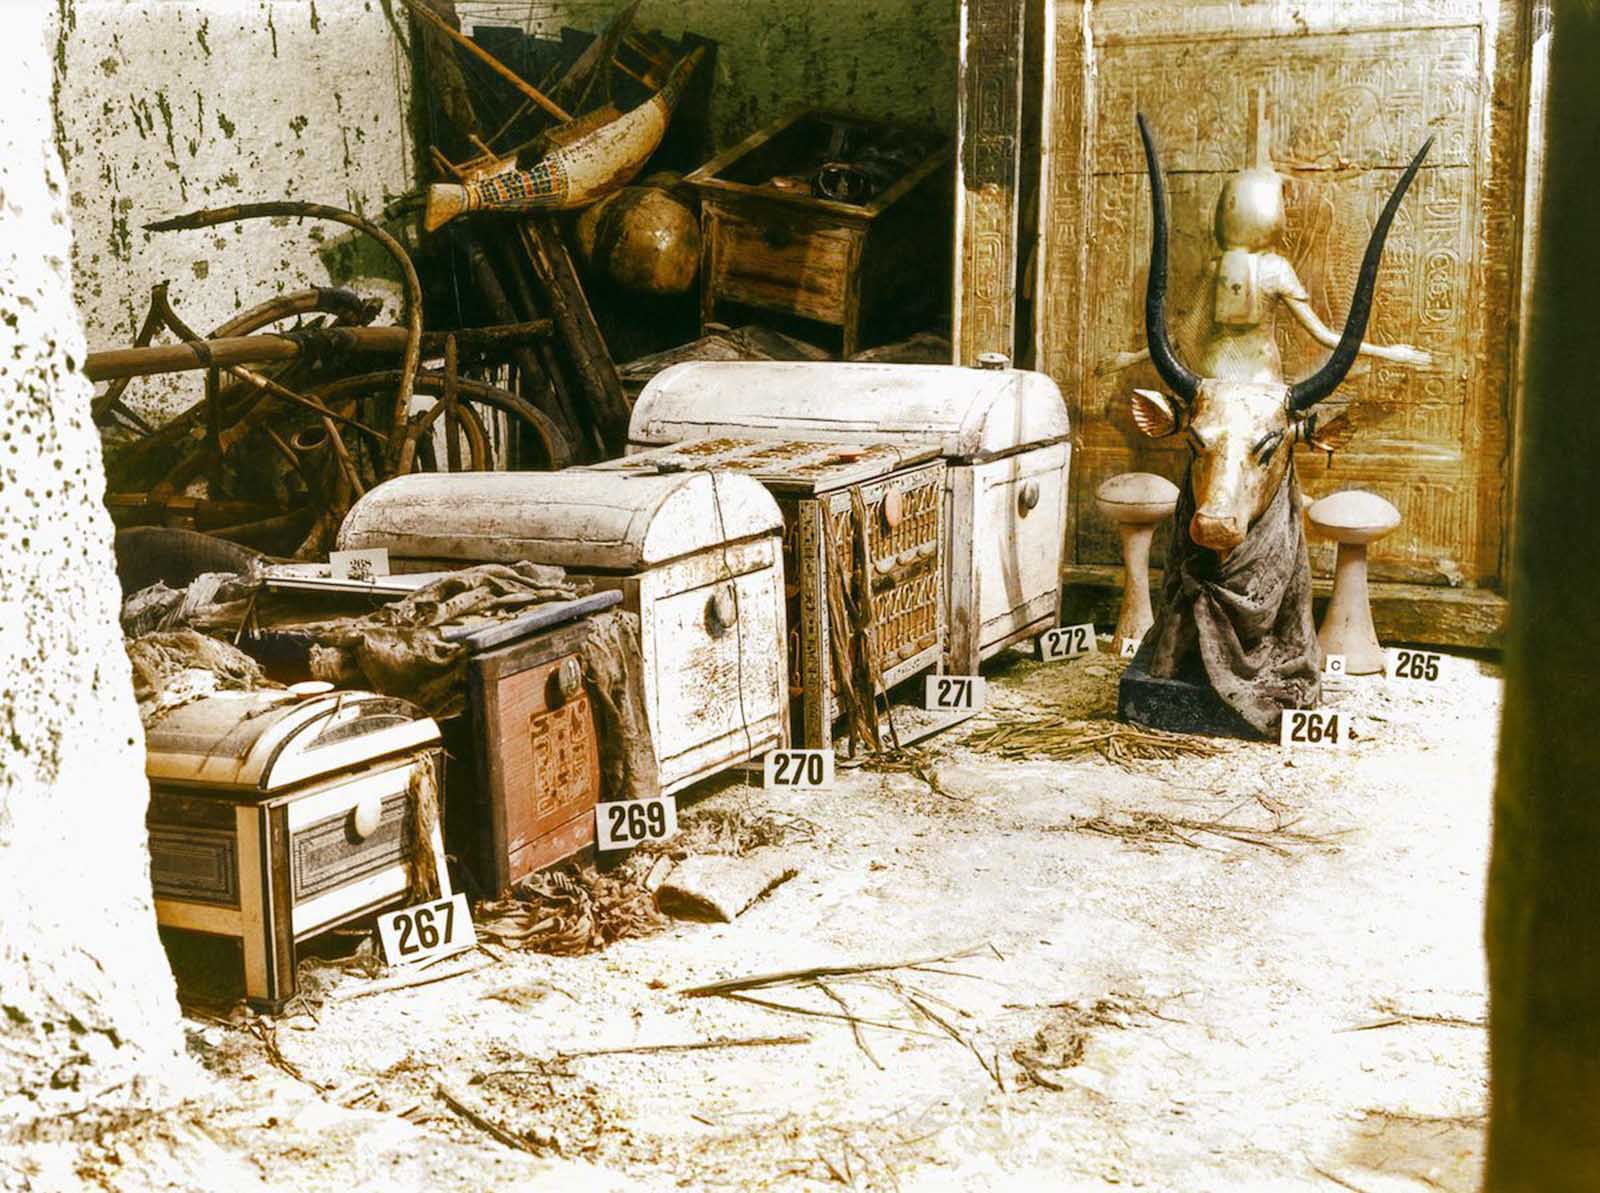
[
  {"x": 1417, "y": 666},
  {"x": 955, "y": 693},
  {"x": 1066, "y": 642},
  {"x": 427, "y": 930},
  {"x": 624, "y": 823},
  {"x": 797, "y": 769},
  {"x": 1312, "y": 727}
]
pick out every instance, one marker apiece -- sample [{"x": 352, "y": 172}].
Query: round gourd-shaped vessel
[
  {"x": 644, "y": 237},
  {"x": 1136, "y": 498},
  {"x": 1353, "y": 517}
]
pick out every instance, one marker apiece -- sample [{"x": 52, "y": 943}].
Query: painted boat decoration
[{"x": 576, "y": 174}]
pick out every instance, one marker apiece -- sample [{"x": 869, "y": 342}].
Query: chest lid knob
[
  {"x": 721, "y": 612},
  {"x": 1028, "y": 497},
  {"x": 366, "y": 816}
]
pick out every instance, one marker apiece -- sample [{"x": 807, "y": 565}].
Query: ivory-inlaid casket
[
  {"x": 1002, "y": 434},
  {"x": 880, "y": 502},
  {"x": 273, "y": 818},
  {"x": 697, "y": 555}
]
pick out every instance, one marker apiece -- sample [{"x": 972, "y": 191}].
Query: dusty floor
[{"x": 1296, "y": 1009}]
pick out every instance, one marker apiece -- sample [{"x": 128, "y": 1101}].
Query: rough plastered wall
[
  {"x": 887, "y": 58},
  {"x": 166, "y": 106},
  {"x": 86, "y": 997}
]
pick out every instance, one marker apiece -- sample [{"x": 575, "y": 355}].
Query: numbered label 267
[
  {"x": 797, "y": 769},
  {"x": 1312, "y": 727},
  {"x": 624, "y": 823},
  {"x": 1066, "y": 642},
  {"x": 955, "y": 693},
  {"x": 427, "y": 930}
]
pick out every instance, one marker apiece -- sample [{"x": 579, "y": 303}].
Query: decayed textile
[
  {"x": 176, "y": 668},
  {"x": 1248, "y": 615},
  {"x": 612, "y": 665},
  {"x": 397, "y": 650}
]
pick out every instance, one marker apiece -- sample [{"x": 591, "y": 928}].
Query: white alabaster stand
[
  {"x": 1137, "y": 502},
  {"x": 1352, "y": 519}
]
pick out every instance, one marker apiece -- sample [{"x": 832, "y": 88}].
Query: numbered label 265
[
  {"x": 427, "y": 930},
  {"x": 797, "y": 769},
  {"x": 955, "y": 693},
  {"x": 1418, "y": 666},
  {"x": 1312, "y": 727},
  {"x": 1066, "y": 642},
  {"x": 624, "y": 823}
]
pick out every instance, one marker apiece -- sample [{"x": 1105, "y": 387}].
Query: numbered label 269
[
  {"x": 955, "y": 693},
  {"x": 1066, "y": 642},
  {"x": 624, "y": 823},
  {"x": 427, "y": 930},
  {"x": 1312, "y": 727},
  {"x": 797, "y": 769}
]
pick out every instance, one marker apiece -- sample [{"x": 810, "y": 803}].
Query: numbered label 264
[
  {"x": 797, "y": 769},
  {"x": 427, "y": 930},
  {"x": 1312, "y": 727},
  {"x": 955, "y": 693},
  {"x": 624, "y": 823},
  {"x": 1066, "y": 642}
]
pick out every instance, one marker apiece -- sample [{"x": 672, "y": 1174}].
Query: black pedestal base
[{"x": 1184, "y": 704}]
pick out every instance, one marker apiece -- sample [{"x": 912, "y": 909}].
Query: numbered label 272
[
  {"x": 1418, "y": 666},
  {"x": 624, "y": 823},
  {"x": 1066, "y": 642},
  {"x": 427, "y": 930},
  {"x": 797, "y": 769},
  {"x": 955, "y": 693},
  {"x": 1312, "y": 727}
]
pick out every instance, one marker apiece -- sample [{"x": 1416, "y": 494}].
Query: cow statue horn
[
  {"x": 1173, "y": 371},
  {"x": 1307, "y": 393}
]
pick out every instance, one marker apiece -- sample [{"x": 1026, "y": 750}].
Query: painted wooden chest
[
  {"x": 274, "y": 818},
  {"x": 697, "y": 555},
  {"x": 1002, "y": 434},
  {"x": 769, "y": 242},
  {"x": 836, "y": 499},
  {"x": 525, "y": 780}
]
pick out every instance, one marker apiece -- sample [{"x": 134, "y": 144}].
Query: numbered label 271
[
  {"x": 427, "y": 930},
  {"x": 797, "y": 769},
  {"x": 955, "y": 693},
  {"x": 624, "y": 823},
  {"x": 1312, "y": 727},
  {"x": 1066, "y": 642},
  {"x": 1418, "y": 666}
]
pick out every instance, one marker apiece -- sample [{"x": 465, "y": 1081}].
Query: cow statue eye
[{"x": 1268, "y": 444}]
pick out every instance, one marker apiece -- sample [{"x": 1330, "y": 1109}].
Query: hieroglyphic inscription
[
  {"x": 990, "y": 97},
  {"x": 1350, "y": 99}
]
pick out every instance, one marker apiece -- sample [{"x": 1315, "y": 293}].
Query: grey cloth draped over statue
[{"x": 1248, "y": 615}]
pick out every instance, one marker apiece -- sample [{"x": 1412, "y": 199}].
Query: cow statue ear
[
  {"x": 1325, "y": 432},
  {"x": 1154, "y": 413}
]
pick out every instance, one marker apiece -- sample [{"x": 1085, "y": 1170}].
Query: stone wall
[
  {"x": 892, "y": 60},
  {"x": 165, "y": 106},
  {"x": 86, "y": 997}
]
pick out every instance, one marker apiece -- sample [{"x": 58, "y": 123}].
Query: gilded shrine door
[{"x": 1352, "y": 89}]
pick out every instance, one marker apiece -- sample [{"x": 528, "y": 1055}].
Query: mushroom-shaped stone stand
[
  {"x": 1137, "y": 502},
  {"x": 1352, "y": 519}
]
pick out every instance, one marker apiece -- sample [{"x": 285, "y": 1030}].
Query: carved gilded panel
[
  {"x": 988, "y": 150},
  {"x": 1350, "y": 96}
]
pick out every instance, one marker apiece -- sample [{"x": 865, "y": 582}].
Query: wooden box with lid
[
  {"x": 274, "y": 818},
  {"x": 769, "y": 242},
  {"x": 525, "y": 797},
  {"x": 882, "y": 501},
  {"x": 1002, "y": 434},
  {"x": 697, "y": 555}
]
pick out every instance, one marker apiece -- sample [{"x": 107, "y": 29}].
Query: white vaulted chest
[
  {"x": 1003, "y": 436},
  {"x": 696, "y": 555}
]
